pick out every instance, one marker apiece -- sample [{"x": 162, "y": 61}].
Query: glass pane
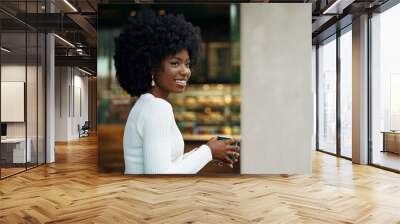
[
  {"x": 327, "y": 97},
  {"x": 346, "y": 93},
  {"x": 386, "y": 89},
  {"x": 41, "y": 99},
  {"x": 18, "y": 9},
  {"x": 31, "y": 97},
  {"x": 31, "y": 84},
  {"x": 314, "y": 87},
  {"x": 13, "y": 86}
]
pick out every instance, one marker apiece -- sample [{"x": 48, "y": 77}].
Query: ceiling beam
[
  {"x": 82, "y": 61},
  {"x": 337, "y": 7},
  {"x": 79, "y": 20}
]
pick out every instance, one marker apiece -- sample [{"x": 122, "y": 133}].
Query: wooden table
[{"x": 391, "y": 141}]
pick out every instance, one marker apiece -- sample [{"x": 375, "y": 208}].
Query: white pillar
[
  {"x": 360, "y": 90},
  {"x": 50, "y": 93}
]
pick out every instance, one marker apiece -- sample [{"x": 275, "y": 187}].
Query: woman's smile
[{"x": 181, "y": 82}]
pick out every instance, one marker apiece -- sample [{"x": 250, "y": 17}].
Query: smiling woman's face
[{"x": 174, "y": 73}]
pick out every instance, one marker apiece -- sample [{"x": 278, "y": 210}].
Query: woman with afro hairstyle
[{"x": 153, "y": 56}]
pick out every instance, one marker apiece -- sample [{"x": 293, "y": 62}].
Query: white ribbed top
[{"x": 153, "y": 143}]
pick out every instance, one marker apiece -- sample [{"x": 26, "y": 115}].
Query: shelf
[
  {"x": 204, "y": 106},
  {"x": 192, "y": 137},
  {"x": 207, "y": 108},
  {"x": 209, "y": 123}
]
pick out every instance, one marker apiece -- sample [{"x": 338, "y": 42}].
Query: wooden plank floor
[{"x": 71, "y": 191}]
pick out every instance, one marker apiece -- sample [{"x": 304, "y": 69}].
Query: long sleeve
[
  {"x": 199, "y": 156},
  {"x": 158, "y": 140}
]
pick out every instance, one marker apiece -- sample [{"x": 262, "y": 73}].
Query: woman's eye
[
  {"x": 174, "y": 64},
  {"x": 188, "y": 65}
]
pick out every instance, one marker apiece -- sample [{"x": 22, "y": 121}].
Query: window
[
  {"x": 327, "y": 96},
  {"x": 346, "y": 93},
  {"x": 385, "y": 89}
]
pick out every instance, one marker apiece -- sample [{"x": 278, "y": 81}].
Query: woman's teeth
[{"x": 180, "y": 82}]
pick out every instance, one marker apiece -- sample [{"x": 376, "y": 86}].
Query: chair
[{"x": 84, "y": 130}]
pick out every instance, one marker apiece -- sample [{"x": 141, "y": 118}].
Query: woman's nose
[{"x": 186, "y": 70}]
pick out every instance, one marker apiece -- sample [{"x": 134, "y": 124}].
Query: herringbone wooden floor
[{"x": 71, "y": 191}]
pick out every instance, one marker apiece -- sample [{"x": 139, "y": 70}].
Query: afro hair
[{"x": 146, "y": 39}]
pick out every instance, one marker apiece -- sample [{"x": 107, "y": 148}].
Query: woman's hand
[{"x": 224, "y": 150}]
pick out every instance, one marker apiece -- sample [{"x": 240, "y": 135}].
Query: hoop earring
[{"x": 152, "y": 81}]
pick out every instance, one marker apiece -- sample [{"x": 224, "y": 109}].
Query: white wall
[
  {"x": 70, "y": 83},
  {"x": 13, "y": 72},
  {"x": 276, "y": 87},
  {"x": 80, "y": 97},
  {"x": 62, "y": 81},
  {"x": 33, "y": 127},
  {"x": 16, "y": 73}
]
